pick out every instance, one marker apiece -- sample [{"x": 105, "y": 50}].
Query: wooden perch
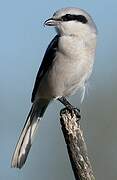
[{"x": 76, "y": 146}]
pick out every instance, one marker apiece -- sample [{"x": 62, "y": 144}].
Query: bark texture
[{"x": 76, "y": 146}]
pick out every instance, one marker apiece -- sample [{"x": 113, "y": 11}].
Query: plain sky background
[{"x": 23, "y": 41}]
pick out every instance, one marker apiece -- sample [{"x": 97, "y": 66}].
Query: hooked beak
[{"x": 50, "y": 22}]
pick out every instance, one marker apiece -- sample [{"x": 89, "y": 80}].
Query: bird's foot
[{"x": 73, "y": 110}]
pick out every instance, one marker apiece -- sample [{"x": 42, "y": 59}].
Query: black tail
[{"x": 25, "y": 141}]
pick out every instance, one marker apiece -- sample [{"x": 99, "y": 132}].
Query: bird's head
[{"x": 72, "y": 21}]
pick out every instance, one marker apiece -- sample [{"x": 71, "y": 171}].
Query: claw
[
  {"x": 73, "y": 110},
  {"x": 77, "y": 112}
]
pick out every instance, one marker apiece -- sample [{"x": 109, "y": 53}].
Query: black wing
[{"x": 46, "y": 63}]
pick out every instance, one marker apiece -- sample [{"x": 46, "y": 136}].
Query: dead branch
[{"x": 76, "y": 146}]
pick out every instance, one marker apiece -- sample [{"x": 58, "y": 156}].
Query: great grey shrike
[{"x": 66, "y": 66}]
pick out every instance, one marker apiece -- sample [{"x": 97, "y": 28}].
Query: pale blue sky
[{"x": 23, "y": 40}]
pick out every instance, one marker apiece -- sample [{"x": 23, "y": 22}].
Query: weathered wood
[{"x": 76, "y": 146}]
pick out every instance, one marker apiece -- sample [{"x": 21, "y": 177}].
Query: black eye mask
[{"x": 72, "y": 17}]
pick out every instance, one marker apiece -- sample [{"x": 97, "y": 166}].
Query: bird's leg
[{"x": 71, "y": 108}]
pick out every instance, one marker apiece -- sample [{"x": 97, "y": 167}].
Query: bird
[{"x": 65, "y": 69}]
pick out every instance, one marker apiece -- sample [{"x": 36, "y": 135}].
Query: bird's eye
[
  {"x": 82, "y": 19},
  {"x": 73, "y": 17},
  {"x": 67, "y": 17}
]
